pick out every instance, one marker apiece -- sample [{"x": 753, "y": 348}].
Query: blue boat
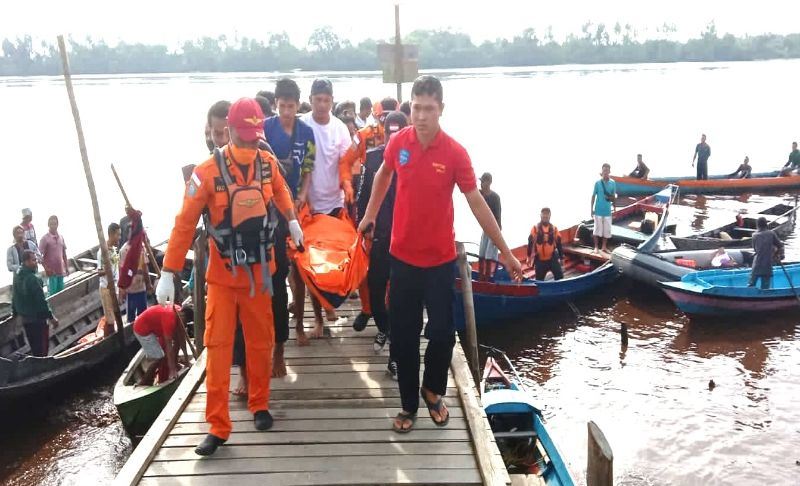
[
  {"x": 725, "y": 292},
  {"x": 519, "y": 429},
  {"x": 501, "y": 298}
]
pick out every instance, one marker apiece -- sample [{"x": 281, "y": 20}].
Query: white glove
[
  {"x": 296, "y": 232},
  {"x": 165, "y": 290}
]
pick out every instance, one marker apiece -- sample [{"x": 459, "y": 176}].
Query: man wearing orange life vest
[
  {"x": 366, "y": 138},
  {"x": 233, "y": 188},
  {"x": 545, "y": 253}
]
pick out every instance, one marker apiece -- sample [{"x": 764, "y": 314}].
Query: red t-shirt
[
  {"x": 422, "y": 231},
  {"x": 158, "y": 320}
]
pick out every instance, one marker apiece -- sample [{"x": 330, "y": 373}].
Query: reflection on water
[{"x": 67, "y": 436}]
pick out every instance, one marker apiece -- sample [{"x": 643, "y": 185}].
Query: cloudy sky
[{"x": 170, "y": 21}]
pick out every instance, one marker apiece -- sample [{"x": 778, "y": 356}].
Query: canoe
[
  {"x": 718, "y": 184},
  {"x": 780, "y": 219},
  {"x": 660, "y": 266},
  {"x": 519, "y": 429},
  {"x": 138, "y": 405},
  {"x": 725, "y": 292}
]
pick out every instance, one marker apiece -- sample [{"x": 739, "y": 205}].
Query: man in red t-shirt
[
  {"x": 157, "y": 331},
  {"x": 428, "y": 164}
]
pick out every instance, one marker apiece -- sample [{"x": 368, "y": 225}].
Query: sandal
[
  {"x": 404, "y": 416},
  {"x": 436, "y": 407}
]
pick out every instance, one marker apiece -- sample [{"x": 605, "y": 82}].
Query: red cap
[{"x": 246, "y": 117}]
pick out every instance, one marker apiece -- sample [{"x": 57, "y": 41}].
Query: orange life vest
[{"x": 544, "y": 241}]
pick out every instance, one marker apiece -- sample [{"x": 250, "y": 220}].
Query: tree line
[{"x": 438, "y": 49}]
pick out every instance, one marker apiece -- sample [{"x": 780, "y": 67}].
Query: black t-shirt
[
  {"x": 703, "y": 152},
  {"x": 493, "y": 201},
  {"x": 383, "y": 222}
]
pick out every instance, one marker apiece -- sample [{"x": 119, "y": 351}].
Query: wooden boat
[
  {"x": 519, "y": 429},
  {"x": 718, "y": 184},
  {"x": 725, "y": 292},
  {"x": 780, "y": 218},
  {"x": 139, "y": 405},
  {"x": 75, "y": 345},
  {"x": 501, "y": 299}
]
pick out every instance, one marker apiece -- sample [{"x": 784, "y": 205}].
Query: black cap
[
  {"x": 321, "y": 86},
  {"x": 394, "y": 122}
]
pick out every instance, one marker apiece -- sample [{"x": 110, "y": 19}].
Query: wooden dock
[{"x": 333, "y": 416}]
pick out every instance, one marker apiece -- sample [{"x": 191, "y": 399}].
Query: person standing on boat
[
  {"x": 641, "y": 171},
  {"x": 329, "y": 188},
  {"x": 29, "y": 303},
  {"x": 428, "y": 164},
  {"x": 793, "y": 164},
  {"x": 603, "y": 197},
  {"x": 487, "y": 251},
  {"x": 701, "y": 154},
  {"x": 27, "y": 225},
  {"x": 238, "y": 274},
  {"x": 112, "y": 243},
  {"x": 766, "y": 245},
  {"x": 743, "y": 171},
  {"x": 54, "y": 257},
  {"x": 545, "y": 253},
  {"x": 15, "y": 251},
  {"x": 135, "y": 295}
]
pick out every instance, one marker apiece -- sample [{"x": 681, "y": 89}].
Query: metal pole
[
  {"x": 398, "y": 54},
  {"x": 469, "y": 311},
  {"x": 92, "y": 193}
]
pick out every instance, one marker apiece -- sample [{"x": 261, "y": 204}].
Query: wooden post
[
  {"x": 623, "y": 331},
  {"x": 600, "y": 459},
  {"x": 199, "y": 291},
  {"x": 112, "y": 288},
  {"x": 398, "y": 53},
  {"x": 469, "y": 311}
]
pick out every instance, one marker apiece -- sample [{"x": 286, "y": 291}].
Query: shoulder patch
[{"x": 266, "y": 171}]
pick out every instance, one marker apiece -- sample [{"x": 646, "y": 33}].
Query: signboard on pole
[{"x": 404, "y": 71}]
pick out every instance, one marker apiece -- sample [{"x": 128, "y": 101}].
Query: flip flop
[
  {"x": 403, "y": 416},
  {"x": 436, "y": 407}
]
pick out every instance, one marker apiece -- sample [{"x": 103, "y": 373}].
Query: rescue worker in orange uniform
[
  {"x": 232, "y": 190},
  {"x": 367, "y": 138},
  {"x": 545, "y": 253}
]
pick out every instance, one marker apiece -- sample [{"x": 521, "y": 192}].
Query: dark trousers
[
  {"x": 378, "y": 282},
  {"x": 412, "y": 289},
  {"x": 553, "y": 265},
  {"x": 136, "y": 303},
  {"x": 766, "y": 281},
  {"x": 702, "y": 170},
  {"x": 38, "y": 334}
]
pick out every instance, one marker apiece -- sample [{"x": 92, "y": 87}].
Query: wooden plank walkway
[{"x": 332, "y": 426}]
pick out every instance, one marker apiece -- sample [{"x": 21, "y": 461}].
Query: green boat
[{"x": 139, "y": 405}]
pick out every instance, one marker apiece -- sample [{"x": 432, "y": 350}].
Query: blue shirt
[
  {"x": 301, "y": 155},
  {"x": 602, "y": 207}
]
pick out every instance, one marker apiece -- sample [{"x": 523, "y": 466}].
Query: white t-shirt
[
  {"x": 360, "y": 123},
  {"x": 332, "y": 141}
]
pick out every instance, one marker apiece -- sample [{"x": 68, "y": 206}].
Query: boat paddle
[{"x": 789, "y": 279}]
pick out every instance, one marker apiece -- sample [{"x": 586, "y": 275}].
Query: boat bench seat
[{"x": 521, "y": 434}]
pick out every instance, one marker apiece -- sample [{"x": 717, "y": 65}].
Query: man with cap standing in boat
[
  {"x": 234, "y": 188},
  {"x": 766, "y": 245}
]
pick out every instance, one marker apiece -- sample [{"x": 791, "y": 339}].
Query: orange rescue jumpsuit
[{"x": 228, "y": 296}]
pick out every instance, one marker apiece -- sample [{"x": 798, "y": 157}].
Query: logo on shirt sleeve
[{"x": 405, "y": 155}]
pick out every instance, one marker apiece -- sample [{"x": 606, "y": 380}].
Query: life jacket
[
  {"x": 544, "y": 242},
  {"x": 245, "y": 234}
]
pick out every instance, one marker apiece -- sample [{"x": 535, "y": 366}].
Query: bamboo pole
[
  {"x": 104, "y": 256},
  {"x": 469, "y": 311},
  {"x": 398, "y": 53}
]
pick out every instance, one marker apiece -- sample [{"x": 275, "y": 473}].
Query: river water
[{"x": 543, "y": 133}]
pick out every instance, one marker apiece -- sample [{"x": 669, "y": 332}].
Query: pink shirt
[{"x": 52, "y": 248}]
